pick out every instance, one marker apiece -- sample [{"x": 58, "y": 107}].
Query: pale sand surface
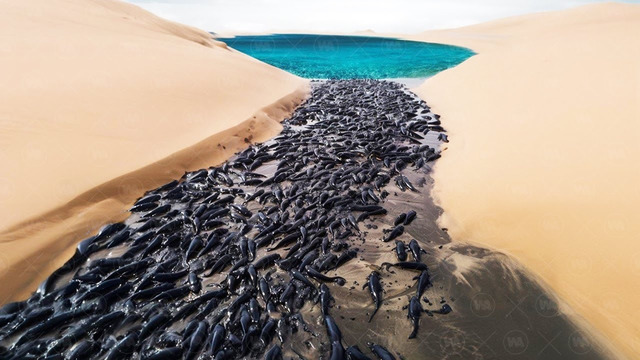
[
  {"x": 543, "y": 162},
  {"x": 100, "y": 101}
]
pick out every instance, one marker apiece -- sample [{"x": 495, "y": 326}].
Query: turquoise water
[{"x": 347, "y": 57}]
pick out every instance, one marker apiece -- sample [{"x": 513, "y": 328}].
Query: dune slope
[
  {"x": 542, "y": 164},
  {"x": 100, "y": 101}
]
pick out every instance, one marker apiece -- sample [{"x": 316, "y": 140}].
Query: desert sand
[
  {"x": 542, "y": 164},
  {"x": 100, "y": 101}
]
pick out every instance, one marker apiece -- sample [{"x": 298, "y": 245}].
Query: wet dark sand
[{"x": 498, "y": 312}]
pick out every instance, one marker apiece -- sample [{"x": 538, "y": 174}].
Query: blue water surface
[{"x": 348, "y": 57}]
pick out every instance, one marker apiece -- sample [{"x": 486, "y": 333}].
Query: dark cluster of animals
[{"x": 219, "y": 264}]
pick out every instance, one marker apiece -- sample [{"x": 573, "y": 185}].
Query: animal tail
[
  {"x": 374, "y": 312},
  {"x": 414, "y": 332}
]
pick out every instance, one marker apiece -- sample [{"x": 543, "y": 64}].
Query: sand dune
[
  {"x": 545, "y": 132},
  {"x": 100, "y": 101}
]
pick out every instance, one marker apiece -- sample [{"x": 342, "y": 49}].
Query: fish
[
  {"x": 381, "y": 352},
  {"x": 401, "y": 253},
  {"x": 166, "y": 354},
  {"x": 266, "y": 334},
  {"x": 186, "y": 310},
  {"x": 423, "y": 283},
  {"x": 119, "y": 238},
  {"x": 173, "y": 294},
  {"x": 148, "y": 199},
  {"x": 242, "y": 210},
  {"x": 13, "y": 308},
  {"x": 400, "y": 183},
  {"x": 235, "y": 304},
  {"x": 395, "y": 232},
  {"x": 196, "y": 340},
  {"x": 411, "y": 215},
  {"x": 335, "y": 335},
  {"x": 288, "y": 292},
  {"x": 308, "y": 259},
  {"x": 189, "y": 329},
  {"x": 344, "y": 257},
  {"x": 407, "y": 265},
  {"x": 194, "y": 282},
  {"x": 97, "y": 325},
  {"x": 299, "y": 276},
  {"x": 101, "y": 289},
  {"x": 245, "y": 319},
  {"x": 124, "y": 348},
  {"x": 407, "y": 184},
  {"x": 354, "y": 353},
  {"x": 285, "y": 241},
  {"x": 375, "y": 289},
  {"x": 194, "y": 245},
  {"x": 153, "y": 324},
  {"x": 282, "y": 330},
  {"x": 416, "y": 250},
  {"x": 445, "y": 309},
  {"x": 325, "y": 262},
  {"x": 152, "y": 246},
  {"x": 275, "y": 353},
  {"x": 337, "y": 351},
  {"x": 29, "y": 319},
  {"x": 400, "y": 219},
  {"x": 217, "y": 338},
  {"x": 151, "y": 292},
  {"x": 220, "y": 264},
  {"x": 319, "y": 276},
  {"x": 82, "y": 350},
  {"x": 415, "y": 311},
  {"x": 158, "y": 211},
  {"x": 265, "y": 289},
  {"x": 325, "y": 299},
  {"x": 251, "y": 331},
  {"x": 266, "y": 261},
  {"x": 254, "y": 310}
]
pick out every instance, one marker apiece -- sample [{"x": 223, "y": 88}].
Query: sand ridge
[
  {"x": 102, "y": 101},
  {"x": 542, "y": 161}
]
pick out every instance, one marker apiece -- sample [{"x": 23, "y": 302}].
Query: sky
[{"x": 400, "y": 16}]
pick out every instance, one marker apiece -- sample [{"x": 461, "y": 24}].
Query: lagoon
[{"x": 350, "y": 57}]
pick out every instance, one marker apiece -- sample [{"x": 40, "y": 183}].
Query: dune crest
[
  {"x": 542, "y": 162},
  {"x": 101, "y": 101}
]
